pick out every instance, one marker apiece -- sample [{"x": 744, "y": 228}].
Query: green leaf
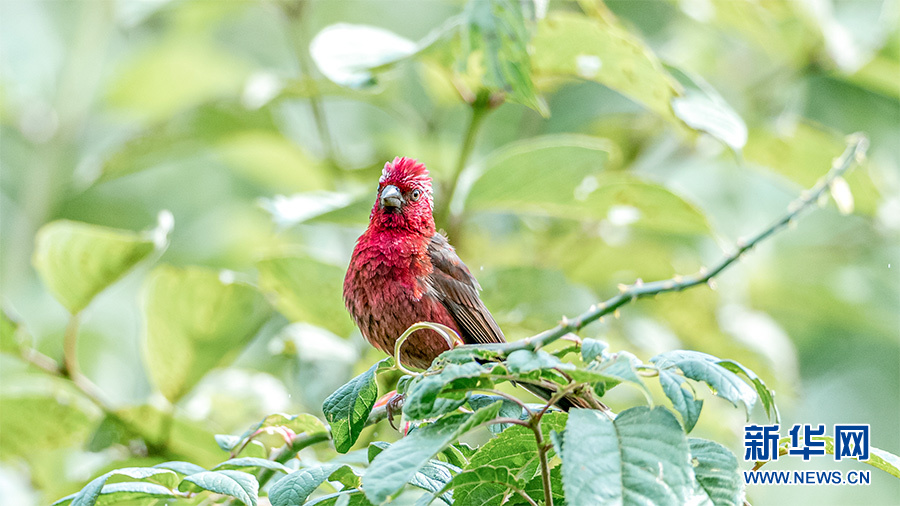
[
  {"x": 347, "y": 54},
  {"x": 703, "y": 367},
  {"x": 306, "y": 290},
  {"x": 244, "y": 462},
  {"x": 702, "y": 108},
  {"x": 538, "y": 188},
  {"x": 593, "y": 349},
  {"x": 523, "y": 361},
  {"x": 242, "y": 486},
  {"x": 395, "y": 466},
  {"x": 433, "y": 476},
  {"x": 641, "y": 458},
  {"x": 716, "y": 470},
  {"x": 42, "y": 422},
  {"x": 296, "y": 487},
  {"x": 878, "y": 458},
  {"x": 484, "y": 485},
  {"x": 76, "y": 261},
  {"x": 494, "y": 51},
  {"x": 91, "y": 492},
  {"x": 508, "y": 409},
  {"x": 599, "y": 49},
  {"x": 515, "y": 448},
  {"x": 356, "y": 498},
  {"x": 302, "y": 423},
  {"x": 348, "y": 408},
  {"x": 422, "y": 395},
  {"x": 125, "y": 493},
  {"x": 196, "y": 321},
  {"x": 678, "y": 390},
  {"x": 184, "y": 468},
  {"x": 535, "y": 489},
  {"x": 765, "y": 395}
]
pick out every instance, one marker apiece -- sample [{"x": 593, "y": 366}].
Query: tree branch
[{"x": 855, "y": 151}]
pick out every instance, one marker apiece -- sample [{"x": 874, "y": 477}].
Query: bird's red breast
[{"x": 402, "y": 272}]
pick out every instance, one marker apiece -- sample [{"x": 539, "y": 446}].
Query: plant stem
[
  {"x": 70, "y": 348},
  {"x": 294, "y": 15},
  {"x": 289, "y": 451},
  {"x": 542, "y": 455},
  {"x": 480, "y": 109},
  {"x": 855, "y": 152}
]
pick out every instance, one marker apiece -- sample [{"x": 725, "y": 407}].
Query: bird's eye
[{"x": 414, "y": 196}]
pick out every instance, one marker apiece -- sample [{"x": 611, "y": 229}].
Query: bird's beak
[{"x": 390, "y": 197}]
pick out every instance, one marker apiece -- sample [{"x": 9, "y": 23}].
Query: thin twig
[
  {"x": 70, "y": 347},
  {"x": 855, "y": 152}
]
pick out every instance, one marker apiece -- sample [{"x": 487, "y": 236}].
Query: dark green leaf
[
  {"x": 516, "y": 449},
  {"x": 348, "y": 408},
  {"x": 484, "y": 485},
  {"x": 508, "y": 409},
  {"x": 523, "y": 361},
  {"x": 395, "y": 466},
  {"x": 422, "y": 399}
]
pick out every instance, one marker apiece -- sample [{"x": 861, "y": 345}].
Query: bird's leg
[{"x": 393, "y": 402}]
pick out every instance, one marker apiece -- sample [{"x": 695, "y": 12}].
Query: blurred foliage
[{"x": 613, "y": 142}]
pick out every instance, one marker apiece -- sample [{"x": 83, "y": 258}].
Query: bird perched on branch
[{"x": 403, "y": 272}]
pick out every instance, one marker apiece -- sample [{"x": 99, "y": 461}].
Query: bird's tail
[{"x": 566, "y": 403}]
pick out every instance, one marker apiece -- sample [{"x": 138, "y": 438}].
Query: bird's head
[{"x": 404, "y": 198}]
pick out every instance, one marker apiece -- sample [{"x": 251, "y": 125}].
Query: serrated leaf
[
  {"x": 682, "y": 398},
  {"x": 515, "y": 448},
  {"x": 534, "y": 488},
  {"x": 422, "y": 394},
  {"x": 433, "y": 476},
  {"x": 296, "y": 487},
  {"x": 348, "y": 408},
  {"x": 765, "y": 395},
  {"x": 243, "y": 462},
  {"x": 703, "y": 367},
  {"x": 592, "y": 349},
  {"x": 508, "y": 409},
  {"x": 76, "y": 261},
  {"x": 716, "y": 470},
  {"x": 599, "y": 49},
  {"x": 346, "y": 53},
  {"x": 484, "y": 485},
  {"x": 523, "y": 361},
  {"x": 395, "y": 466},
  {"x": 641, "y": 458},
  {"x": 127, "y": 492},
  {"x": 195, "y": 322},
  {"x": 242, "y": 486},
  {"x": 304, "y": 289}
]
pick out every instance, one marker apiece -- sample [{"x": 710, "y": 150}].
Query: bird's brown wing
[{"x": 455, "y": 287}]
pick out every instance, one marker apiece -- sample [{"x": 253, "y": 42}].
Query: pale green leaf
[
  {"x": 196, "y": 321},
  {"x": 641, "y": 458},
  {"x": 306, "y": 290},
  {"x": 716, "y": 470},
  {"x": 76, "y": 261}
]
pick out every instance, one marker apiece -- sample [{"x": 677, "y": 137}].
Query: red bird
[{"x": 403, "y": 271}]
